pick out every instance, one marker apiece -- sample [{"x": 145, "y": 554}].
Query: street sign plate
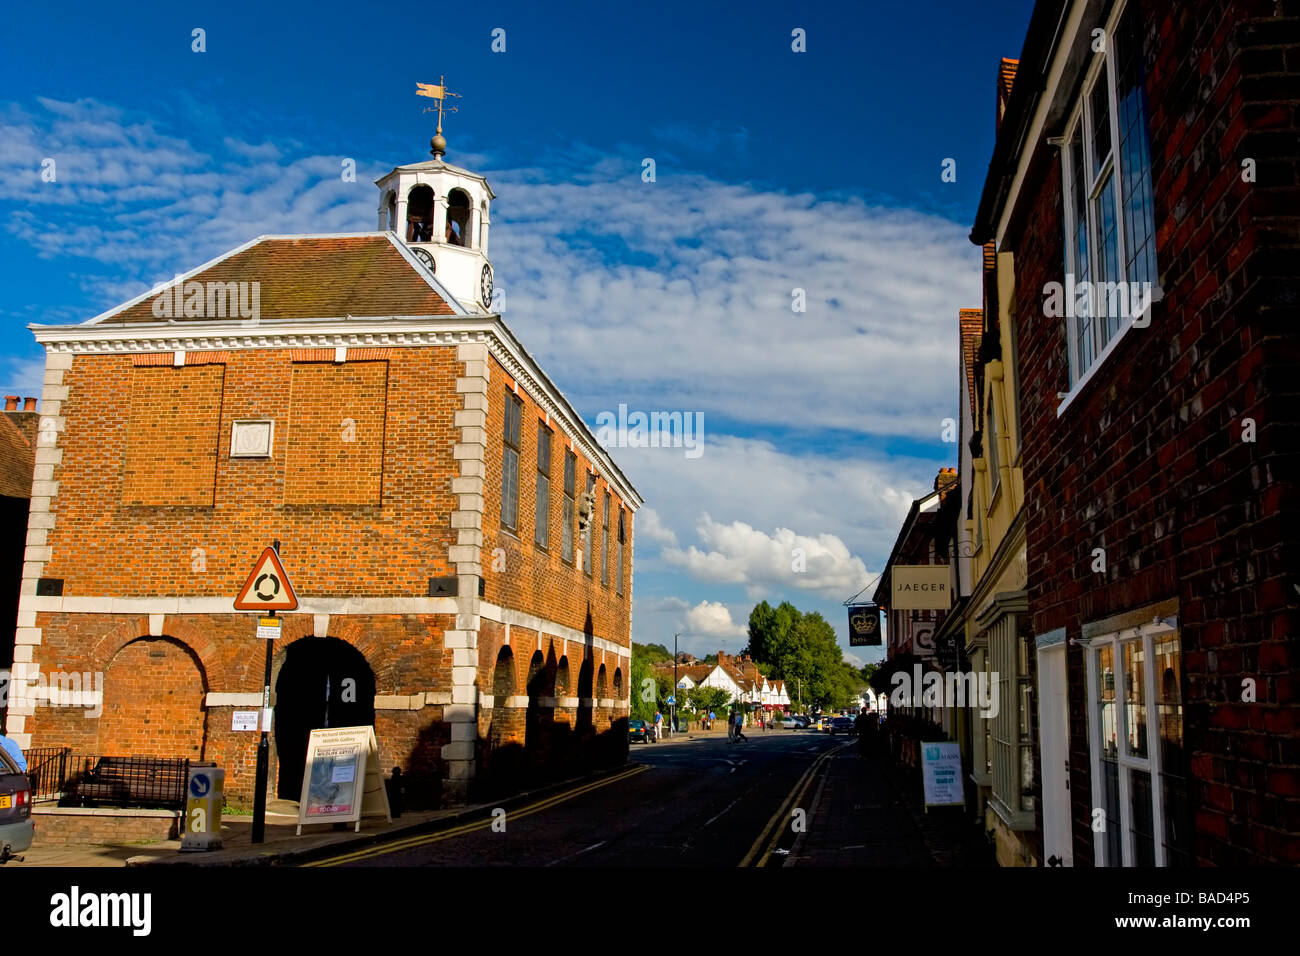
[
  {"x": 268, "y": 628},
  {"x": 672, "y": 701},
  {"x": 268, "y": 587}
]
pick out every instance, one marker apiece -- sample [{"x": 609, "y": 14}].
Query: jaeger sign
[{"x": 920, "y": 587}]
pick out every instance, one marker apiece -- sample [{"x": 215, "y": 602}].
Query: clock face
[
  {"x": 485, "y": 287},
  {"x": 424, "y": 256}
]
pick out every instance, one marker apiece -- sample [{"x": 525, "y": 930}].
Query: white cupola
[{"x": 442, "y": 213}]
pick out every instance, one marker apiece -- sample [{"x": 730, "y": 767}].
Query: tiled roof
[
  {"x": 312, "y": 277},
  {"x": 1006, "y": 75},
  {"x": 15, "y": 461},
  {"x": 972, "y": 327}
]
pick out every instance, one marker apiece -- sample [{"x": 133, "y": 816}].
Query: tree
[{"x": 705, "y": 699}]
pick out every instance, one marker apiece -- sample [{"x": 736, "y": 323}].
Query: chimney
[
  {"x": 946, "y": 477},
  {"x": 11, "y": 403},
  {"x": 29, "y": 404}
]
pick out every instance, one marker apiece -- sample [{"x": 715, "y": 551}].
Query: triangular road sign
[{"x": 268, "y": 587}]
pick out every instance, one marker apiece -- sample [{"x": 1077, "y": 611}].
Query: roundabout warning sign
[{"x": 268, "y": 587}]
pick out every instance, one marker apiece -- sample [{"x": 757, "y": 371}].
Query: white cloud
[
  {"x": 712, "y": 619},
  {"x": 737, "y": 553},
  {"x": 649, "y": 526}
]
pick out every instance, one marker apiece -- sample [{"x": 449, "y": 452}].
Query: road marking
[
  {"x": 771, "y": 833},
  {"x": 483, "y": 824},
  {"x": 725, "y": 809},
  {"x": 579, "y": 853}
]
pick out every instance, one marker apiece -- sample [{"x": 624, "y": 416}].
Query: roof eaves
[{"x": 1040, "y": 40}]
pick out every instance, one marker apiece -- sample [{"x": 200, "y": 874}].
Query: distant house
[{"x": 17, "y": 443}]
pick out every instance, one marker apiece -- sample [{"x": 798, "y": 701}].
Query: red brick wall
[
  {"x": 153, "y": 702},
  {"x": 1148, "y": 461},
  {"x": 392, "y": 547},
  {"x": 335, "y": 434},
  {"x": 539, "y": 581},
  {"x": 171, "y": 435}
]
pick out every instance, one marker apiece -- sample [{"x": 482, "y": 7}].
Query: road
[{"x": 699, "y": 802}]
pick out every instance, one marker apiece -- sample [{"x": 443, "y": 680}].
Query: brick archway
[{"x": 154, "y": 701}]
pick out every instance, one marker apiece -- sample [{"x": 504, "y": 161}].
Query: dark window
[
  {"x": 588, "y": 559},
  {"x": 604, "y": 543},
  {"x": 543, "y": 504},
  {"x": 510, "y": 464},
  {"x": 621, "y": 538},
  {"x": 566, "y": 540}
]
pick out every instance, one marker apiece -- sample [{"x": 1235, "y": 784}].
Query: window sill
[
  {"x": 1014, "y": 820},
  {"x": 1067, "y": 399}
]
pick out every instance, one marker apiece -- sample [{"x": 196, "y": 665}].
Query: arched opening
[
  {"x": 601, "y": 687},
  {"x": 537, "y": 726},
  {"x": 154, "y": 692},
  {"x": 419, "y": 214},
  {"x": 391, "y": 205},
  {"x": 503, "y": 677},
  {"x": 618, "y": 683},
  {"x": 324, "y": 682},
  {"x": 458, "y": 218},
  {"x": 562, "y": 677}
]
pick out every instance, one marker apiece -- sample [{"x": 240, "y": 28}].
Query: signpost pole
[
  {"x": 263, "y": 745},
  {"x": 263, "y": 752}
]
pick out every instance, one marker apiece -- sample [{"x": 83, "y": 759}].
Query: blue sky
[{"x": 775, "y": 170}]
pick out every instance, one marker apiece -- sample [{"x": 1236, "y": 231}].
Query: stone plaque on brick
[{"x": 251, "y": 438}]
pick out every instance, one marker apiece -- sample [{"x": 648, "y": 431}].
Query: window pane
[
  {"x": 1135, "y": 715},
  {"x": 1144, "y": 844},
  {"x": 1134, "y": 150},
  {"x": 1109, "y": 311},
  {"x": 1026, "y": 777},
  {"x": 1110, "y": 794},
  {"x": 1081, "y": 263},
  {"x": 566, "y": 541},
  {"x": 1173, "y": 770},
  {"x": 543, "y": 505},
  {"x": 1099, "y": 102},
  {"x": 604, "y": 543},
  {"x": 566, "y": 536},
  {"x": 510, "y": 488},
  {"x": 1106, "y": 703},
  {"x": 587, "y": 556}
]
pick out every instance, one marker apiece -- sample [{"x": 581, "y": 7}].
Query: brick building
[
  {"x": 354, "y": 397},
  {"x": 1153, "y": 147}
]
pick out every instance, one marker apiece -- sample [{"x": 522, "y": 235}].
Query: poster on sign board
[
  {"x": 342, "y": 781},
  {"x": 941, "y": 774}
]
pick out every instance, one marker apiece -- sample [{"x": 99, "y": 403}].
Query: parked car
[
  {"x": 841, "y": 725},
  {"x": 16, "y": 827},
  {"x": 640, "y": 731},
  {"x": 790, "y": 723},
  {"x": 802, "y": 720}
]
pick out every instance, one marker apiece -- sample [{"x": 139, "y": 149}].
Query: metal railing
[{"x": 72, "y": 779}]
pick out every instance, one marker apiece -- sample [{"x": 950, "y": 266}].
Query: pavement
[
  {"x": 281, "y": 845},
  {"x": 870, "y": 813},
  {"x": 692, "y": 799}
]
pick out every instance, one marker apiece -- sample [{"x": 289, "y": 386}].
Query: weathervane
[{"x": 439, "y": 93}]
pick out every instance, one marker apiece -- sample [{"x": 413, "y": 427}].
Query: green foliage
[
  {"x": 801, "y": 649},
  {"x": 652, "y": 653},
  {"x": 705, "y": 699}
]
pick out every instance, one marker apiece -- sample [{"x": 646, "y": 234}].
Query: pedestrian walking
[
  {"x": 659, "y": 726},
  {"x": 740, "y": 722},
  {"x": 711, "y": 719}
]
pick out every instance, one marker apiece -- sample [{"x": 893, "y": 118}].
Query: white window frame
[
  {"x": 1152, "y": 764},
  {"x": 1080, "y": 121}
]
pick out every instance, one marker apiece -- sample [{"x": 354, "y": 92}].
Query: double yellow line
[
  {"x": 513, "y": 815},
  {"x": 770, "y": 834}
]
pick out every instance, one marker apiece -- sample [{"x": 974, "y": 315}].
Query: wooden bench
[{"x": 134, "y": 781}]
